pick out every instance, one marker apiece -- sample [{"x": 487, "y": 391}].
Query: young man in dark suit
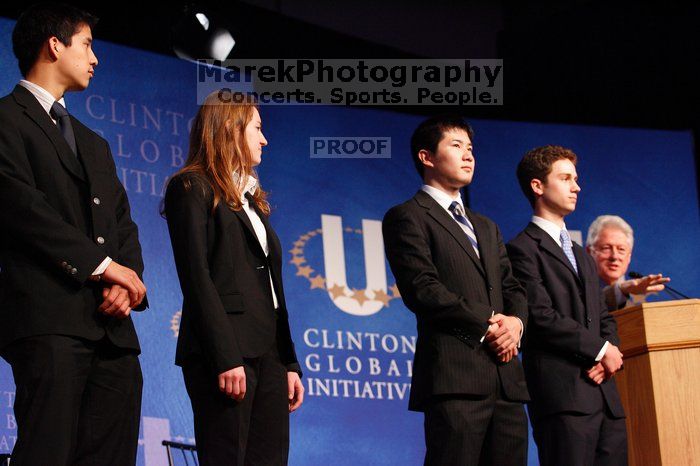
[
  {"x": 452, "y": 271},
  {"x": 70, "y": 259},
  {"x": 569, "y": 352}
]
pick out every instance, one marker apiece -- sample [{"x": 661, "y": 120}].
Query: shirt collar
[
  {"x": 550, "y": 228},
  {"x": 42, "y": 95},
  {"x": 250, "y": 186},
  {"x": 441, "y": 197}
]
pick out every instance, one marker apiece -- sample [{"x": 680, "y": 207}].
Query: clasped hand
[
  {"x": 123, "y": 292},
  {"x": 608, "y": 366},
  {"x": 503, "y": 336}
]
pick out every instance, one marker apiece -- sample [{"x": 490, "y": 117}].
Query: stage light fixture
[
  {"x": 199, "y": 33},
  {"x": 203, "y": 20}
]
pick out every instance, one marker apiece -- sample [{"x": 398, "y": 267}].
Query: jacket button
[
  {"x": 490, "y": 288},
  {"x": 73, "y": 271},
  {"x": 96, "y": 200},
  {"x": 100, "y": 240},
  {"x": 590, "y": 320}
]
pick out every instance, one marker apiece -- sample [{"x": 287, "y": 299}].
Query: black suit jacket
[
  {"x": 569, "y": 324},
  {"x": 611, "y": 297},
  {"x": 228, "y": 312},
  {"x": 61, "y": 217},
  {"x": 453, "y": 294}
]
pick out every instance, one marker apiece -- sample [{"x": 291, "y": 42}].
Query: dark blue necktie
[{"x": 60, "y": 114}]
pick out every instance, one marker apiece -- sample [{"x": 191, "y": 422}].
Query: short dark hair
[
  {"x": 429, "y": 133},
  {"x": 40, "y": 22},
  {"x": 537, "y": 164}
]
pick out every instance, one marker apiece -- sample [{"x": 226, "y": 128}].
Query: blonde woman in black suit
[{"x": 235, "y": 346}]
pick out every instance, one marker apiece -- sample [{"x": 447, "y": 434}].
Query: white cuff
[
  {"x": 522, "y": 329},
  {"x": 487, "y": 330},
  {"x": 484, "y": 336},
  {"x": 102, "y": 267},
  {"x": 602, "y": 352}
]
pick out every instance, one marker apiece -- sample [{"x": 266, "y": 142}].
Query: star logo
[
  {"x": 380, "y": 295},
  {"x": 359, "y": 295},
  {"x": 336, "y": 291},
  {"x": 304, "y": 271},
  {"x": 318, "y": 282}
]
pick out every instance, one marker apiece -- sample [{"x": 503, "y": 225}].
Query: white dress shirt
[
  {"x": 554, "y": 230},
  {"x": 444, "y": 199},
  {"x": 46, "y": 100},
  {"x": 250, "y": 187}
]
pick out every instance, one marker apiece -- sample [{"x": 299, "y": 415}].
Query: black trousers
[
  {"x": 576, "y": 439},
  {"x": 475, "y": 431},
  {"x": 77, "y": 402},
  {"x": 250, "y": 432}
]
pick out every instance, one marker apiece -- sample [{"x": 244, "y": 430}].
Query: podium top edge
[{"x": 658, "y": 305}]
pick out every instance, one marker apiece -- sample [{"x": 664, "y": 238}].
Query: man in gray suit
[
  {"x": 610, "y": 241},
  {"x": 453, "y": 272}
]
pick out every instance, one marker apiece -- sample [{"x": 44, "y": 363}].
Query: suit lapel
[
  {"x": 484, "y": 240},
  {"x": 580, "y": 262},
  {"x": 275, "y": 251},
  {"x": 443, "y": 218},
  {"x": 548, "y": 244},
  {"x": 272, "y": 240},
  {"x": 590, "y": 286},
  {"x": 243, "y": 217},
  {"x": 86, "y": 148},
  {"x": 35, "y": 112}
]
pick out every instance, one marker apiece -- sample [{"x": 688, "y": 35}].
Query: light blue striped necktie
[
  {"x": 567, "y": 246},
  {"x": 458, "y": 214}
]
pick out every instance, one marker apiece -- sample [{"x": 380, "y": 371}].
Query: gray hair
[{"x": 609, "y": 221}]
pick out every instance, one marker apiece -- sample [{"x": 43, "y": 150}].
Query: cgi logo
[
  {"x": 350, "y": 147},
  {"x": 363, "y": 302}
]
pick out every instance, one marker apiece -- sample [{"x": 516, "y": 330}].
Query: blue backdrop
[{"x": 354, "y": 337}]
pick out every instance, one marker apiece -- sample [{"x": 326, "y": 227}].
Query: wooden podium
[{"x": 660, "y": 383}]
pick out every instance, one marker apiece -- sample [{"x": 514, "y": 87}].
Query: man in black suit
[
  {"x": 70, "y": 259},
  {"x": 569, "y": 351},
  {"x": 452, "y": 271}
]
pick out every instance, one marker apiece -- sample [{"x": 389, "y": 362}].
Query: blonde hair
[{"x": 218, "y": 149}]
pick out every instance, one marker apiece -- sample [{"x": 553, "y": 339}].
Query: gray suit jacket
[{"x": 611, "y": 298}]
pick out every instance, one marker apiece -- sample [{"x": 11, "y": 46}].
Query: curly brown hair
[{"x": 537, "y": 163}]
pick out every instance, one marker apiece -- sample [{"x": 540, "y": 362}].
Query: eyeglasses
[{"x": 607, "y": 250}]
